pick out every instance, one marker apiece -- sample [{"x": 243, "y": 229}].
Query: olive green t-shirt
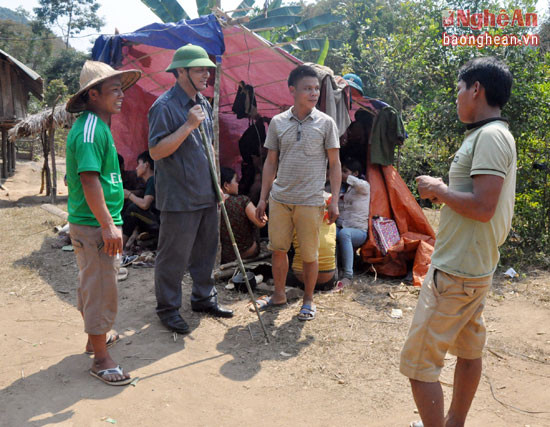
[
  {"x": 91, "y": 148},
  {"x": 465, "y": 247}
]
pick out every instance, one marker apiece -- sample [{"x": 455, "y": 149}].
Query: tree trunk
[{"x": 69, "y": 27}]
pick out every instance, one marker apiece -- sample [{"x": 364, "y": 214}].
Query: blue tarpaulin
[{"x": 204, "y": 31}]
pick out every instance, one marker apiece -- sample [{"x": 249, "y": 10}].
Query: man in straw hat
[
  {"x": 186, "y": 199},
  {"x": 95, "y": 201}
]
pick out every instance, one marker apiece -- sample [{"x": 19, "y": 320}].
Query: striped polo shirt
[{"x": 302, "y": 146}]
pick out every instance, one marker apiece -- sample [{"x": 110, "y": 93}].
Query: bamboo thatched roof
[{"x": 36, "y": 123}]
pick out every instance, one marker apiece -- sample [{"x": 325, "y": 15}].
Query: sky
[
  {"x": 126, "y": 15},
  {"x": 129, "y": 15}
]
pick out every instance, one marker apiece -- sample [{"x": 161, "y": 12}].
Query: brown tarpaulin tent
[{"x": 391, "y": 198}]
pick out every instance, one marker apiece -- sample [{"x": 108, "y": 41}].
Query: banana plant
[
  {"x": 277, "y": 23},
  {"x": 171, "y": 11}
]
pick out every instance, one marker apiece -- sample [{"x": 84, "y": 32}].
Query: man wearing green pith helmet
[{"x": 186, "y": 199}]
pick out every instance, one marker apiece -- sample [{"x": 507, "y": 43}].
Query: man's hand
[
  {"x": 127, "y": 193},
  {"x": 430, "y": 188},
  {"x": 333, "y": 213},
  {"x": 260, "y": 211},
  {"x": 195, "y": 117},
  {"x": 112, "y": 239}
]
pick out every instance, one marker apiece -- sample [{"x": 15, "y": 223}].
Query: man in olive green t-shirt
[
  {"x": 475, "y": 221},
  {"x": 95, "y": 201}
]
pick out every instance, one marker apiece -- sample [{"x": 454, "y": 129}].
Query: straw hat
[{"x": 93, "y": 73}]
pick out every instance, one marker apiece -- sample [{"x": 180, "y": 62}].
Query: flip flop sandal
[
  {"x": 416, "y": 424},
  {"x": 307, "y": 312},
  {"x": 111, "y": 341},
  {"x": 265, "y": 303},
  {"x": 122, "y": 274},
  {"x": 112, "y": 371},
  {"x": 127, "y": 260}
]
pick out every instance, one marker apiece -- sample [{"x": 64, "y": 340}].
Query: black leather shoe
[
  {"x": 176, "y": 324},
  {"x": 215, "y": 310}
]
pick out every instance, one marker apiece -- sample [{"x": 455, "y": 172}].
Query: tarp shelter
[
  {"x": 391, "y": 198},
  {"x": 244, "y": 55}
]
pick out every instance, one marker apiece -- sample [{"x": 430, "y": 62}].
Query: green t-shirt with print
[{"x": 91, "y": 148}]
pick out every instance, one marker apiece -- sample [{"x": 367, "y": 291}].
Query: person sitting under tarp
[
  {"x": 130, "y": 180},
  {"x": 141, "y": 212},
  {"x": 326, "y": 279},
  {"x": 353, "y": 223},
  {"x": 242, "y": 216}
]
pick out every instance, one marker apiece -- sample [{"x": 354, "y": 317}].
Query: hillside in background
[
  {"x": 30, "y": 43},
  {"x": 12, "y": 15}
]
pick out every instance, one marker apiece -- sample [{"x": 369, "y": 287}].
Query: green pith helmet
[{"x": 190, "y": 56}]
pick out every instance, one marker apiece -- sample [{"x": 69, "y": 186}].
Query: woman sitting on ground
[
  {"x": 242, "y": 216},
  {"x": 353, "y": 223}
]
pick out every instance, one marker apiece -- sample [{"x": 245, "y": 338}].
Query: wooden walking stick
[{"x": 228, "y": 225}]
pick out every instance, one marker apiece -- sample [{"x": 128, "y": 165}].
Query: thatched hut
[
  {"x": 16, "y": 82},
  {"x": 43, "y": 124},
  {"x": 37, "y": 123}
]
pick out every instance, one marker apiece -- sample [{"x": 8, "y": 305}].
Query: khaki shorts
[
  {"x": 97, "y": 276},
  {"x": 306, "y": 220},
  {"x": 448, "y": 317}
]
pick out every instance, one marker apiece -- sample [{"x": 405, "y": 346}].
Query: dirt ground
[{"x": 340, "y": 369}]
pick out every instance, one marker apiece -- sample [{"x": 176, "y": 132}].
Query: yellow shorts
[
  {"x": 306, "y": 220},
  {"x": 448, "y": 317}
]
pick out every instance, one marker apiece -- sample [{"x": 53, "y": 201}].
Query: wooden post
[
  {"x": 46, "y": 176},
  {"x": 13, "y": 157},
  {"x": 216, "y": 124},
  {"x": 4, "y": 153},
  {"x": 216, "y": 130},
  {"x": 51, "y": 137}
]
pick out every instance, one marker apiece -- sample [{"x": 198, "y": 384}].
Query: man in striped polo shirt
[
  {"x": 299, "y": 142},
  {"x": 95, "y": 201}
]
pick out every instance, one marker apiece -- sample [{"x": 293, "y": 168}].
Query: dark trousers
[
  {"x": 135, "y": 217},
  {"x": 187, "y": 240}
]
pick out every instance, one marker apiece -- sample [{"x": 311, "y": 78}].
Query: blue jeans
[{"x": 348, "y": 239}]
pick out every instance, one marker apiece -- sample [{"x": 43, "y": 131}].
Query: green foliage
[
  {"x": 11, "y": 15},
  {"x": 204, "y": 7},
  {"x": 324, "y": 52},
  {"x": 66, "y": 66},
  {"x": 166, "y": 10},
  {"x": 55, "y": 91},
  {"x": 29, "y": 43},
  {"x": 245, "y": 4},
  {"x": 70, "y": 16}
]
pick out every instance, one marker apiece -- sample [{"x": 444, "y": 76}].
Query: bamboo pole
[{"x": 214, "y": 176}]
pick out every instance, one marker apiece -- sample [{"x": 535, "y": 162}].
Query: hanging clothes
[
  {"x": 334, "y": 98},
  {"x": 245, "y": 101},
  {"x": 387, "y": 132},
  {"x": 250, "y": 148}
]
